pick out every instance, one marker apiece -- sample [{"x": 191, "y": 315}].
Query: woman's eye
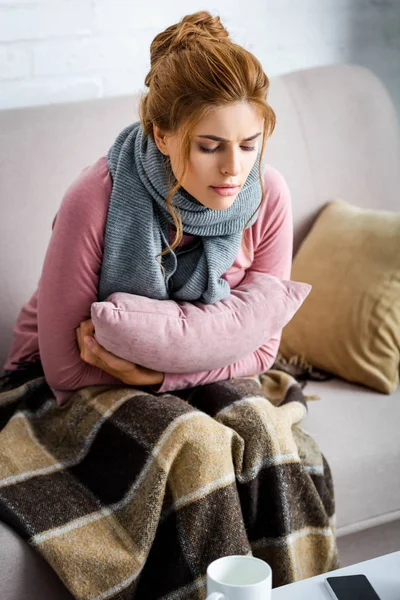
[
  {"x": 208, "y": 150},
  {"x": 212, "y": 150}
]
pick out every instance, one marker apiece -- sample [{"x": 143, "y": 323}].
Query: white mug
[{"x": 239, "y": 578}]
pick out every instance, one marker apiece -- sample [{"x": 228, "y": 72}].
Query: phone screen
[{"x": 351, "y": 587}]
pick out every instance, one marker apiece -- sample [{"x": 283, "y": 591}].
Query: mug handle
[{"x": 216, "y": 596}]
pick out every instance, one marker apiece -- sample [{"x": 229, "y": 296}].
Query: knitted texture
[{"x": 137, "y": 228}]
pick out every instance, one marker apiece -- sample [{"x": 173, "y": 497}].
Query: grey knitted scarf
[{"x": 137, "y": 228}]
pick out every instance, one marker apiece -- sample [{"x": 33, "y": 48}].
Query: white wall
[{"x": 64, "y": 50}]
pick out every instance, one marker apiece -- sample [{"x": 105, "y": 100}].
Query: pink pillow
[{"x": 175, "y": 336}]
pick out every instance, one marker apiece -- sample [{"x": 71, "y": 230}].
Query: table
[{"x": 383, "y": 573}]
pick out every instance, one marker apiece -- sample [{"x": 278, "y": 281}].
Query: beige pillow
[{"x": 350, "y": 323}]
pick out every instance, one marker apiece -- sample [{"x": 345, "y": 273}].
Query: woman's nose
[{"x": 231, "y": 163}]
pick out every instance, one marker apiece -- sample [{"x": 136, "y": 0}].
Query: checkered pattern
[{"x": 129, "y": 494}]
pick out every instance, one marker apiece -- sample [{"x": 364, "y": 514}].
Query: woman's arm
[
  {"x": 272, "y": 255},
  {"x": 69, "y": 281},
  {"x": 95, "y": 354}
]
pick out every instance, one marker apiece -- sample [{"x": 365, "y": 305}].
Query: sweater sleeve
[
  {"x": 272, "y": 255},
  {"x": 69, "y": 281}
]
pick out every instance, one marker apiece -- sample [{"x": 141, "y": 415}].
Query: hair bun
[
  {"x": 201, "y": 24},
  {"x": 185, "y": 33}
]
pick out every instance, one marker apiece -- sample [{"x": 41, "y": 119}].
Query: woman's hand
[{"x": 96, "y": 355}]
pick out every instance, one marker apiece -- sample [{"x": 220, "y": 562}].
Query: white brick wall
[{"x": 64, "y": 50}]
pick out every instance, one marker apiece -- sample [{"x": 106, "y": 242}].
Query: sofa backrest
[{"x": 336, "y": 136}]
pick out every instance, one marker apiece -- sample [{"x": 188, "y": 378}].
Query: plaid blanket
[{"x": 129, "y": 494}]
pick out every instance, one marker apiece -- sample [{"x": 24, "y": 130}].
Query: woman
[
  {"x": 130, "y": 494},
  {"x": 206, "y": 120}
]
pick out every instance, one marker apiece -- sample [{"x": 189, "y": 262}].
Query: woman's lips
[{"x": 225, "y": 191}]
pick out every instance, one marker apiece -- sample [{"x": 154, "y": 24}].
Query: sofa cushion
[
  {"x": 350, "y": 323},
  {"x": 357, "y": 430},
  {"x": 24, "y": 574},
  {"x": 174, "y": 336}
]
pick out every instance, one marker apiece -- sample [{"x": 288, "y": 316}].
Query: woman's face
[{"x": 223, "y": 150}]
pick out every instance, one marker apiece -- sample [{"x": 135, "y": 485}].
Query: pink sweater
[{"x": 69, "y": 280}]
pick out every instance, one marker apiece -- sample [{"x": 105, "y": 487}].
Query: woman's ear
[{"x": 160, "y": 139}]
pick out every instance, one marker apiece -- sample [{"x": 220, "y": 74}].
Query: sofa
[{"x": 336, "y": 136}]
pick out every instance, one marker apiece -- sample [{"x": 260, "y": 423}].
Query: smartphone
[{"x": 351, "y": 587}]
